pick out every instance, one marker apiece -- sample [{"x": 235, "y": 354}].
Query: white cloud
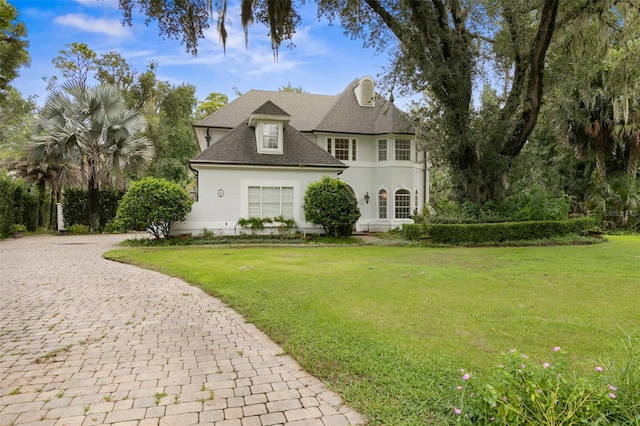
[{"x": 110, "y": 27}]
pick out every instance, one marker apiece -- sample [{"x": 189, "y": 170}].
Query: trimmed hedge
[
  {"x": 507, "y": 231},
  {"x": 75, "y": 206},
  {"x": 412, "y": 231}
]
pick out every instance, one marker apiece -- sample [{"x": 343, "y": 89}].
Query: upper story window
[
  {"x": 270, "y": 135},
  {"x": 342, "y": 148},
  {"x": 382, "y": 150},
  {"x": 269, "y": 138},
  {"x": 403, "y": 149}
]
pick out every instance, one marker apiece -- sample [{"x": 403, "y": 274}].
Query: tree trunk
[
  {"x": 634, "y": 156},
  {"x": 92, "y": 198},
  {"x": 53, "y": 211},
  {"x": 41, "y": 202}
]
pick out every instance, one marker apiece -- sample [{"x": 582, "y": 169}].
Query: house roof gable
[{"x": 238, "y": 147}]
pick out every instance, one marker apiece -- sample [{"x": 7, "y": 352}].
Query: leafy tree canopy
[
  {"x": 13, "y": 47},
  {"x": 211, "y": 104}
]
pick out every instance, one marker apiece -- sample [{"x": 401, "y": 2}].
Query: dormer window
[
  {"x": 269, "y": 138},
  {"x": 269, "y": 121},
  {"x": 365, "y": 92}
]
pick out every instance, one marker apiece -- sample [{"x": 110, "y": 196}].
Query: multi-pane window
[
  {"x": 269, "y": 135},
  {"x": 403, "y": 204},
  {"x": 382, "y": 204},
  {"x": 382, "y": 150},
  {"x": 342, "y": 148},
  {"x": 270, "y": 201},
  {"x": 403, "y": 150}
]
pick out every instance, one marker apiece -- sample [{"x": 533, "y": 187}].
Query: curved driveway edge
[{"x": 86, "y": 341}]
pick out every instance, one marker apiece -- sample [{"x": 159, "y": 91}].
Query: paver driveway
[{"x": 86, "y": 341}]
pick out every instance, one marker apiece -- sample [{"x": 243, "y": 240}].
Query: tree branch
[{"x": 533, "y": 99}]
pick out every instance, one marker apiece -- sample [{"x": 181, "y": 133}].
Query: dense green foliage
[
  {"x": 506, "y": 231},
  {"x": 331, "y": 203},
  {"x": 391, "y": 327},
  {"x": 13, "y": 47},
  {"x": 616, "y": 203},
  {"x": 154, "y": 205},
  {"x": 74, "y": 206},
  {"x": 18, "y": 205},
  {"x": 412, "y": 231}
]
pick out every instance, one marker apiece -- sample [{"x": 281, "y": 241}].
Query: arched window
[
  {"x": 403, "y": 204},
  {"x": 382, "y": 204}
]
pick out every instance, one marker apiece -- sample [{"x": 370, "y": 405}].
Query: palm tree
[{"x": 92, "y": 127}]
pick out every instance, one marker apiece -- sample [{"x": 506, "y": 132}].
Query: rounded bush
[
  {"x": 331, "y": 203},
  {"x": 154, "y": 205}
]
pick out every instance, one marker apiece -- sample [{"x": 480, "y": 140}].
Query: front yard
[{"x": 391, "y": 327}]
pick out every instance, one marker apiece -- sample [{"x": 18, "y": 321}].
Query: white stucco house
[{"x": 261, "y": 151}]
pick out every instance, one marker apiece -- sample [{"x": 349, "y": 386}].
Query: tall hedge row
[
  {"x": 75, "y": 211},
  {"x": 507, "y": 231},
  {"x": 18, "y": 205}
]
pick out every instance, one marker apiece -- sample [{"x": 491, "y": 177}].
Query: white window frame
[
  {"x": 286, "y": 201},
  {"x": 383, "y": 148},
  {"x": 405, "y": 150},
  {"x": 351, "y": 150},
  {"x": 383, "y": 204},
  {"x": 261, "y": 137},
  {"x": 402, "y": 207}
]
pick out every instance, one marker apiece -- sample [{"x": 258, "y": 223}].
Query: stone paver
[{"x": 86, "y": 341}]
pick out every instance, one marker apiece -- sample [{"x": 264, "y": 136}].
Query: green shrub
[
  {"x": 527, "y": 204},
  {"x": 522, "y": 392},
  {"x": 154, "y": 205},
  {"x": 330, "y": 203},
  {"x": 18, "y": 228},
  {"x": 412, "y": 231},
  {"x": 78, "y": 228},
  {"x": 254, "y": 223},
  {"x": 507, "y": 231}
]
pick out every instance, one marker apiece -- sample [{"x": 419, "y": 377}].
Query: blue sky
[{"x": 324, "y": 60}]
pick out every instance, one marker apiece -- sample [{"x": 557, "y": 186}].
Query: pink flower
[
  {"x": 466, "y": 376},
  {"x": 545, "y": 365},
  {"x": 612, "y": 388},
  {"x": 556, "y": 349},
  {"x": 612, "y": 395},
  {"x": 459, "y": 388},
  {"x": 457, "y": 410},
  {"x": 598, "y": 369}
]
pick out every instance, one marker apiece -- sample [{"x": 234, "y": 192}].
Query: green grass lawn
[{"x": 390, "y": 327}]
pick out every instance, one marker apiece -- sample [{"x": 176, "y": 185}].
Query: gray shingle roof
[
  {"x": 270, "y": 108},
  {"x": 239, "y": 147},
  {"x": 323, "y": 113}
]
